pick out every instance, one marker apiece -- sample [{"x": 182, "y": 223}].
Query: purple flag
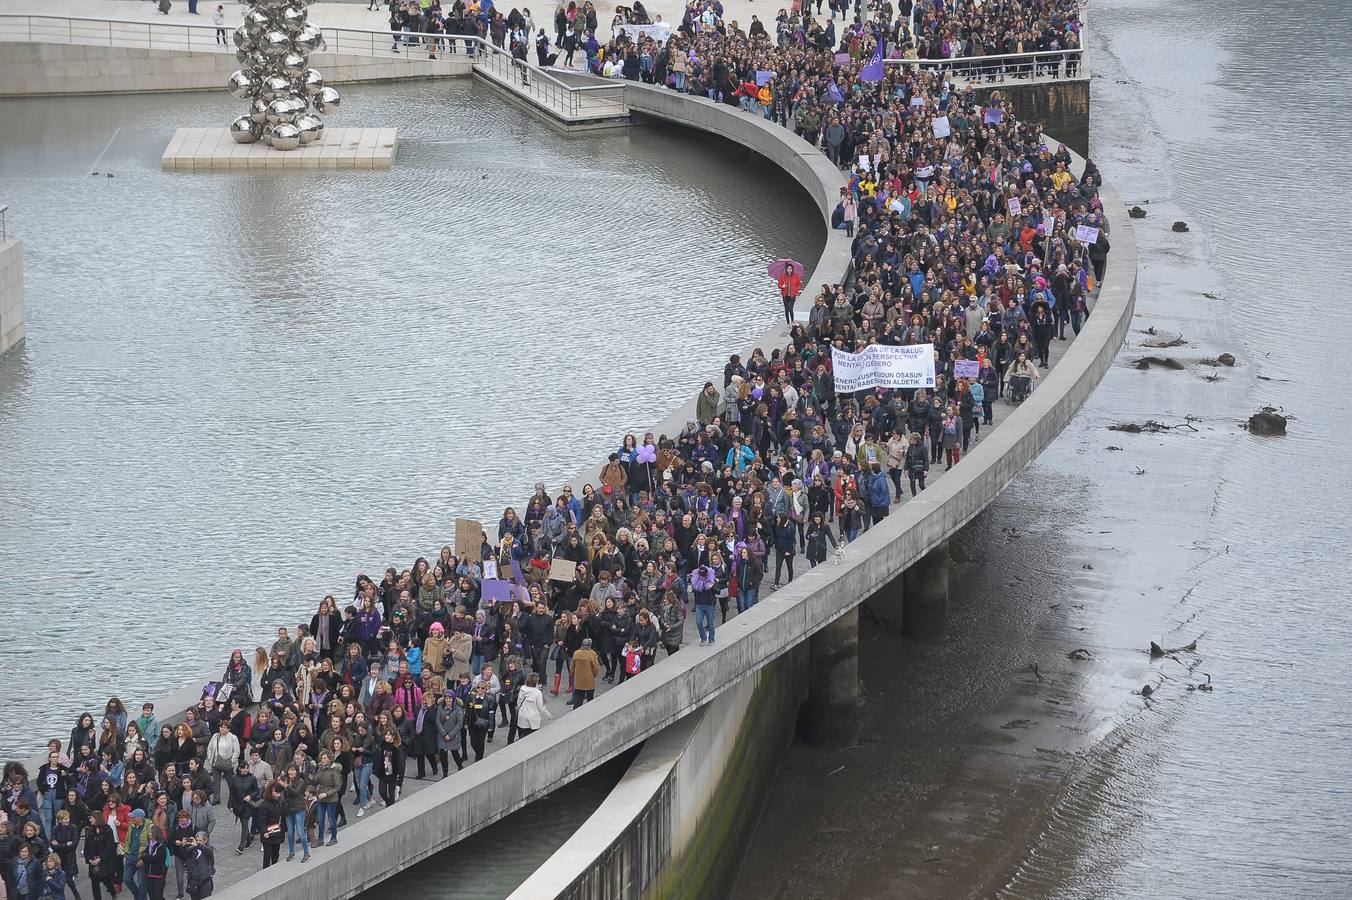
[
  {"x": 834, "y": 93},
  {"x": 873, "y": 69}
]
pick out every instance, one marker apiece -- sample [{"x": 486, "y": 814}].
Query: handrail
[
  {"x": 535, "y": 83},
  {"x": 4, "y": 208},
  {"x": 1044, "y": 65}
]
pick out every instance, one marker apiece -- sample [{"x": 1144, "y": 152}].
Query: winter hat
[{"x": 437, "y": 628}]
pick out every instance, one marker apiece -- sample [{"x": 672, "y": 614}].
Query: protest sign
[
  {"x": 517, "y": 575},
  {"x": 941, "y": 127},
  {"x": 562, "y": 570},
  {"x": 910, "y": 366},
  {"x": 469, "y": 538},
  {"x": 993, "y": 116},
  {"x": 864, "y": 163},
  {"x": 1015, "y": 207},
  {"x": 966, "y": 368},
  {"x": 659, "y": 32},
  {"x": 842, "y": 59},
  {"x": 763, "y": 76},
  {"x": 495, "y": 590},
  {"x": 1086, "y": 234}
]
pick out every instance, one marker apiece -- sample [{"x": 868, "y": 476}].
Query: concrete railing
[{"x": 441, "y": 815}]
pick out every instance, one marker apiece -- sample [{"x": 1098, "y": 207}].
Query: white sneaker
[{"x": 361, "y": 811}]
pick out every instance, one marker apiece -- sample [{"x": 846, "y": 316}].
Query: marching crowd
[{"x": 967, "y": 234}]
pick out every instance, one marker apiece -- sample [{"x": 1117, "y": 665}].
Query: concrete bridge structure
[{"x": 805, "y": 632}]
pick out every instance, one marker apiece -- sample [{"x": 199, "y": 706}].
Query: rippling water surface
[{"x": 239, "y": 390}]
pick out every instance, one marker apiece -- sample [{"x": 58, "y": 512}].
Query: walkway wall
[
  {"x": 441, "y": 815},
  {"x": 12, "y": 327},
  {"x": 675, "y": 824},
  {"x": 48, "y": 69}
]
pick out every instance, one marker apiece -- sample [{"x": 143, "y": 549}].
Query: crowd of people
[{"x": 963, "y": 227}]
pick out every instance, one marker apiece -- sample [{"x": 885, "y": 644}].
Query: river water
[
  {"x": 978, "y": 776},
  {"x": 239, "y": 390}
]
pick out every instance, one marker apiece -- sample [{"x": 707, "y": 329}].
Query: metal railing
[
  {"x": 4, "y": 208},
  {"x": 1042, "y": 65},
  {"x": 564, "y": 100}
]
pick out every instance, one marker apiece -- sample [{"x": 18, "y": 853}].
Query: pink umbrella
[{"x": 777, "y": 267}]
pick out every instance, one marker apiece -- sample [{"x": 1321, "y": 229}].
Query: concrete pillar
[
  {"x": 925, "y": 597},
  {"x": 833, "y": 688},
  {"x": 12, "y": 327}
]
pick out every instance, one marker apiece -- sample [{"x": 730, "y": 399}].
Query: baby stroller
[{"x": 1020, "y": 386}]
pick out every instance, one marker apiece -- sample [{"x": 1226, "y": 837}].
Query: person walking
[
  {"x": 134, "y": 854},
  {"x": 790, "y": 285},
  {"x": 201, "y": 868},
  {"x": 272, "y": 823},
  {"x": 530, "y": 706},
  {"x": 328, "y": 790},
  {"x": 450, "y": 725},
  {"x": 586, "y": 669},
  {"x": 702, "y": 583},
  {"x": 479, "y": 713}
]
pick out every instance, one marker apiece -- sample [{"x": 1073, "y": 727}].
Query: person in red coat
[{"x": 790, "y": 284}]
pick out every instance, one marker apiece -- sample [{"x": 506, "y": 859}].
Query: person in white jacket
[
  {"x": 531, "y": 710},
  {"x": 222, "y": 757}
]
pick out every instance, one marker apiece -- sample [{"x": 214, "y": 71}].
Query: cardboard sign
[
  {"x": 1086, "y": 234},
  {"x": 966, "y": 368},
  {"x": 469, "y": 537},
  {"x": 1015, "y": 207},
  {"x": 864, "y": 164},
  {"x": 562, "y": 570},
  {"x": 517, "y": 575},
  {"x": 941, "y": 127}
]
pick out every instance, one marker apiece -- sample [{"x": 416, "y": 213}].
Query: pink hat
[{"x": 437, "y": 628}]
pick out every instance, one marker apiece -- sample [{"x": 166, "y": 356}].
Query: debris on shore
[
  {"x": 1225, "y": 359},
  {"x": 1180, "y": 227},
  {"x": 1267, "y": 421},
  {"x": 1154, "y": 427},
  {"x": 1162, "y": 342},
  {"x": 1136, "y": 212},
  {"x": 1079, "y": 655},
  {"x": 1164, "y": 362}
]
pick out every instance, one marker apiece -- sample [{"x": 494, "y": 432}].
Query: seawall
[{"x": 12, "y": 315}]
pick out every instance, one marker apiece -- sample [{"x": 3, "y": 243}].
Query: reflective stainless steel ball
[
  {"x": 327, "y": 100},
  {"x": 311, "y": 82},
  {"x": 245, "y": 130},
  {"x": 241, "y": 86},
  {"x": 310, "y": 128},
  {"x": 285, "y": 136}
]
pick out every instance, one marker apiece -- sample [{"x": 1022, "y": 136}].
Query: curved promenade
[{"x": 440, "y": 815}]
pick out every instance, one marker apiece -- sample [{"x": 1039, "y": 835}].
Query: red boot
[{"x": 558, "y": 676}]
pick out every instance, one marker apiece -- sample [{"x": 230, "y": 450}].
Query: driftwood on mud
[{"x": 1154, "y": 427}]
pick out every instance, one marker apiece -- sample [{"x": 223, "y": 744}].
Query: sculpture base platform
[{"x": 214, "y": 150}]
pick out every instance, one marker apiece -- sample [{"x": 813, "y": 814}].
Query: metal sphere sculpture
[{"x": 286, "y": 97}]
